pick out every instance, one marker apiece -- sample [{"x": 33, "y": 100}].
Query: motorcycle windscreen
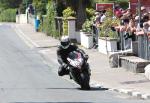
[{"x": 74, "y": 55}]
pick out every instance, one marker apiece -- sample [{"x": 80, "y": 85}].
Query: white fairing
[{"x": 77, "y": 62}]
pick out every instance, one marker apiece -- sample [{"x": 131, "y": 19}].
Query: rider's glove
[
  {"x": 64, "y": 65},
  {"x": 86, "y": 56}
]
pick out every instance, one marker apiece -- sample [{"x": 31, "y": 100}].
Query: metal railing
[{"x": 144, "y": 47}]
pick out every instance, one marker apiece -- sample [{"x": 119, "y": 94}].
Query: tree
[
  {"x": 81, "y": 12},
  {"x": 40, "y": 6},
  {"x": 24, "y": 4},
  {"x": 49, "y": 21},
  {"x": 79, "y": 7},
  {"x": 10, "y": 3}
]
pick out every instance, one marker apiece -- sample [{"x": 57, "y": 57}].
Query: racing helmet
[{"x": 65, "y": 42}]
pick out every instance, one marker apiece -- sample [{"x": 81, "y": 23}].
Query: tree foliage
[
  {"x": 49, "y": 21},
  {"x": 24, "y": 5},
  {"x": 40, "y": 6},
  {"x": 79, "y": 6},
  {"x": 10, "y": 3}
]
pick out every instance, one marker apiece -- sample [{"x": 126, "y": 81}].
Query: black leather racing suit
[{"x": 62, "y": 55}]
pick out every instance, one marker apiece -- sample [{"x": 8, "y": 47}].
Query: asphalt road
[{"x": 26, "y": 78}]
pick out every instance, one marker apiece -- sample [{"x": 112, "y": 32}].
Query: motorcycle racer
[{"x": 63, "y": 50}]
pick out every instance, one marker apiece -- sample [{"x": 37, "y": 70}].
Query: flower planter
[
  {"x": 86, "y": 40},
  {"x": 107, "y": 46}
]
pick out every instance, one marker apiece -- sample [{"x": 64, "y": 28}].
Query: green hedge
[
  {"x": 48, "y": 25},
  {"x": 8, "y": 15}
]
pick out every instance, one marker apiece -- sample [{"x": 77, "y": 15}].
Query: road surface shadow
[
  {"x": 51, "y": 102},
  {"x": 92, "y": 89},
  {"x": 135, "y": 82},
  {"x": 96, "y": 89},
  {"x": 62, "y": 88}
]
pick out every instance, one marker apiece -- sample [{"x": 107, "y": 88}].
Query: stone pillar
[
  {"x": 71, "y": 28},
  {"x": 22, "y": 18}
]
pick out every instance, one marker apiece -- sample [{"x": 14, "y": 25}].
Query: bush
[
  {"x": 107, "y": 25},
  {"x": 49, "y": 26},
  {"x": 86, "y": 27},
  {"x": 68, "y": 12},
  {"x": 40, "y": 8},
  {"x": 24, "y": 5},
  {"x": 90, "y": 12},
  {"x": 8, "y": 15}
]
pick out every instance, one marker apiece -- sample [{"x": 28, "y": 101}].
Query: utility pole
[
  {"x": 140, "y": 37},
  {"x": 139, "y": 10}
]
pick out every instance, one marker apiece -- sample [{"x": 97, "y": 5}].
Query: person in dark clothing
[
  {"x": 17, "y": 12},
  {"x": 62, "y": 53}
]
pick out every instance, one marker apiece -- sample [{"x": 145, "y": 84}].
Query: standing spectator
[
  {"x": 127, "y": 12},
  {"x": 143, "y": 10},
  {"x": 118, "y": 12},
  {"x": 97, "y": 19},
  {"x": 95, "y": 27},
  {"x": 127, "y": 34},
  {"x": 17, "y": 12},
  {"x": 103, "y": 16},
  {"x": 17, "y": 16},
  {"x": 31, "y": 9},
  {"x": 132, "y": 28},
  {"x": 125, "y": 31},
  {"x": 146, "y": 27}
]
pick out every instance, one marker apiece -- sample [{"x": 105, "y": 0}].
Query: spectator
[
  {"x": 127, "y": 30},
  {"x": 149, "y": 24},
  {"x": 132, "y": 29},
  {"x": 17, "y": 16},
  {"x": 118, "y": 12},
  {"x": 97, "y": 19},
  {"x": 136, "y": 20},
  {"x": 127, "y": 12},
  {"x": 130, "y": 25},
  {"x": 103, "y": 16},
  {"x": 17, "y": 12},
  {"x": 143, "y": 10},
  {"x": 145, "y": 17},
  {"x": 146, "y": 27},
  {"x": 95, "y": 28}
]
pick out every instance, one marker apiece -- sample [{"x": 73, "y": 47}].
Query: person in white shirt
[{"x": 103, "y": 16}]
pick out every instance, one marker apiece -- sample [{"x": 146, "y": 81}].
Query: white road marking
[{"x": 25, "y": 38}]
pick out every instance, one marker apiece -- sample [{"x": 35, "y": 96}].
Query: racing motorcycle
[{"x": 79, "y": 69}]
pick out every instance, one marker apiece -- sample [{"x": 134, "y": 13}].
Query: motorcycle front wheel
[
  {"x": 82, "y": 79},
  {"x": 84, "y": 83}
]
